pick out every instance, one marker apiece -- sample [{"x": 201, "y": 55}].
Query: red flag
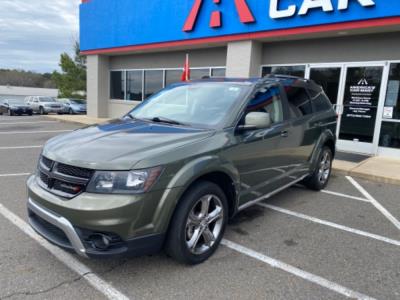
[{"x": 186, "y": 70}]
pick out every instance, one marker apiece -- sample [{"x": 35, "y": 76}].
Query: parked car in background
[
  {"x": 179, "y": 165},
  {"x": 73, "y": 106},
  {"x": 44, "y": 105},
  {"x": 14, "y": 107}
]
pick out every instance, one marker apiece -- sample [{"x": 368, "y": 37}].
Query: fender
[
  {"x": 326, "y": 136},
  {"x": 188, "y": 174}
]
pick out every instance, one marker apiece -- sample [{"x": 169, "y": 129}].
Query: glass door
[
  {"x": 389, "y": 140},
  {"x": 359, "y": 105},
  {"x": 329, "y": 76}
]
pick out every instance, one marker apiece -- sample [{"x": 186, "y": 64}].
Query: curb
[{"x": 354, "y": 172}]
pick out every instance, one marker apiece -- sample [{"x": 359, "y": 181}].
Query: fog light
[{"x": 100, "y": 241}]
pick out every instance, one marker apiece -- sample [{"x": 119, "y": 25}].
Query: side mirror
[{"x": 256, "y": 120}]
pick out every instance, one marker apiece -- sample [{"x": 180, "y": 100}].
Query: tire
[
  {"x": 320, "y": 177},
  {"x": 41, "y": 111},
  {"x": 30, "y": 114},
  {"x": 191, "y": 238}
]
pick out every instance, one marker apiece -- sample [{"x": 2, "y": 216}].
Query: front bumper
[
  {"x": 53, "y": 110},
  {"x": 21, "y": 111},
  {"x": 135, "y": 224}
]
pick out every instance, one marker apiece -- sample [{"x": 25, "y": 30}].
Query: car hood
[{"x": 119, "y": 144}]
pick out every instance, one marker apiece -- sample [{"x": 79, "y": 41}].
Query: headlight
[{"x": 123, "y": 182}]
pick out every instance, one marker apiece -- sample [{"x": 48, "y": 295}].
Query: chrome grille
[{"x": 61, "y": 179}]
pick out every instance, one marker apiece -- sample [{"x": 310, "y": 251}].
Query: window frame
[{"x": 249, "y": 97}]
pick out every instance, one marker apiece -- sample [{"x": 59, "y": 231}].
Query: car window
[
  {"x": 46, "y": 99},
  {"x": 267, "y": 99},
  {"x": 299, "y": 101},
  {"x": 321, "y": 102}
]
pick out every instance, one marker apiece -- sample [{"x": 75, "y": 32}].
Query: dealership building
[{"x": 350, "y": 47}]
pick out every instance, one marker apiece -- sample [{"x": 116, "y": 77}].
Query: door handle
[{"x": 284, "y": 133}]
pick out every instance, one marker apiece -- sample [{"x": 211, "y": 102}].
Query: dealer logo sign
[{"x": 276, "y": 11}]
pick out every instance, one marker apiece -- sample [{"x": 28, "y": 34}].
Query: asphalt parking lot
[{"x": 340, "y": 243}]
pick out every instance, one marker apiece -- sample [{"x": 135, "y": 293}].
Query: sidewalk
[
  {"x": 77, "y": 119},
  {"x": 379, "y": 169}
]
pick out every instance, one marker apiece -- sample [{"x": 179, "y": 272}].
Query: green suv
[{"x": 172, "y": 172}]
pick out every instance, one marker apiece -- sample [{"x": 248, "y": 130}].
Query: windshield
[
  {"x": 46, "y": 99},
  {"x": 77, "y": 101},
  {"x": 200, "y": 105}
]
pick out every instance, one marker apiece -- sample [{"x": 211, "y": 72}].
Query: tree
[{"x": 71, "y": 82}]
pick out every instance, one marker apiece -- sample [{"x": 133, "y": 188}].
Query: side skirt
[{"x": 270, "y": 194}]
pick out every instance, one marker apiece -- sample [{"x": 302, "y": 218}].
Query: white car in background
[
  {"x": 44, "y": 105},
  {"x": 73, "y": 106}
]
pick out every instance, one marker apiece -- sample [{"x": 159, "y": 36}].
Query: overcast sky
[{"x": 33, "y": 33}]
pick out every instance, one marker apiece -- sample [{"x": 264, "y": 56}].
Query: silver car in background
[
  {"x": 73, "y": 106},
  {"x": 44, "y": 105}
]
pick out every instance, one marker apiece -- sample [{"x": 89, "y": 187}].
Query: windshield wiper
[{"x": 166, "y": 120}]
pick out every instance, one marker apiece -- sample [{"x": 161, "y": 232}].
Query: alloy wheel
[
  {"x": 204, "y": 224},
  {"x": 324, "y": 167}
]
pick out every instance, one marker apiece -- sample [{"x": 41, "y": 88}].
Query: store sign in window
[{"x": 360, "y": 103}]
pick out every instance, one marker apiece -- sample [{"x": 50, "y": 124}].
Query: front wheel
[
  {"x": 198, "y": 224},
  {"x": 320, "y": 177}
]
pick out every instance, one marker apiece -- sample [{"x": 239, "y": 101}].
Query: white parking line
[
  {"x": 344, "y": 195},
  {"x": 330, "y": 224},
  {"x": 15, "y": 175},
  {"x": 375, "y": 203},
  {"x": 295, "y": 271},
  {"x": 68, "y": 260},
  {"x": 37, "y": 122},
  {"x": 19, "y": 147},
  {"x": 32, "y": 132}
]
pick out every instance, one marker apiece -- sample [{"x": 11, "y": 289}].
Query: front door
[{"x": 358, "y": 107}]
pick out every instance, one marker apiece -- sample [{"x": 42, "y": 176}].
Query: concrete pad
[
  {"x": 343, "y": 167},
  {"x": 379, "y": 169},
  {"x": 78, "y": 119}
]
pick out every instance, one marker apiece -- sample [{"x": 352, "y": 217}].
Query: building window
[
  {"x": 299, "y": 71},
  {"x": 153, "y": 82},
  {"x": 392, "y": 102},
  {"x": 137, "y": 85},
  {"x": 134, "y": 85},
  {"x": 390, "y": 135},
  {"x": 173, "y": 76},
  {"x": 218, "y": 72},
  {"x": 199, "y": 73},
  {"x": 117, "y": 88}
]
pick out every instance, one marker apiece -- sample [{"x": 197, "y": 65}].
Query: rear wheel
[
  {"x": 198, "y": 224},
  {"x": 320, "y": 177}
]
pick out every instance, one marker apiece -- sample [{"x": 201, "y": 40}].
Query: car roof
[{"x": 270, "y": 78}]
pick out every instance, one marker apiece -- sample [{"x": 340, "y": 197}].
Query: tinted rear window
[
  {"x": 321, "y": 103},
  {"x": 299, "y": 101}
]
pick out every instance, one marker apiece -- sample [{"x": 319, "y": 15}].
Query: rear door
[{"x": 302, "y": 133}]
